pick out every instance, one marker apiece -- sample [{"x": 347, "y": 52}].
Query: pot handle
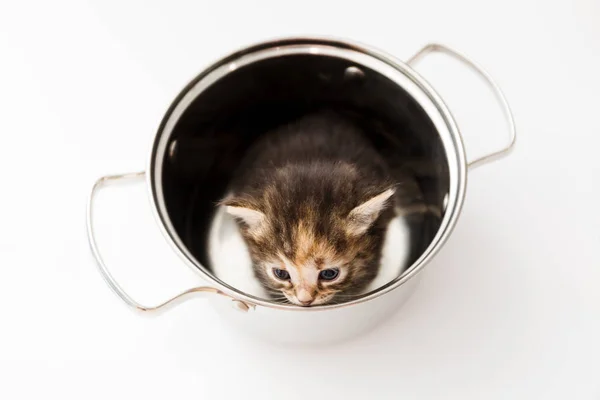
[
  {"x": 110, "y": 280},
  {"x": 512, "y": 133}
]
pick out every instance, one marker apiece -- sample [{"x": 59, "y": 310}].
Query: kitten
[{"x": 313, "y": 199}]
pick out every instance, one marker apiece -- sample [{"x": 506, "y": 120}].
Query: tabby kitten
[{"x": 312, "y": 200}]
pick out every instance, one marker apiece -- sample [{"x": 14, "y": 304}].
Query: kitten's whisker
[
  {"x": 278, "y": 292},
  {"x": 334, "y": 302},
  {"x": 277, "y": 296},
  {"x": 347, "y": 297}
]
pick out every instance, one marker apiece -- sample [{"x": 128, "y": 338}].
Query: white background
[{"x": 509, "y": 309}]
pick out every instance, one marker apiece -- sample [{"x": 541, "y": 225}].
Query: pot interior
[{"x": 211, "y": 136}]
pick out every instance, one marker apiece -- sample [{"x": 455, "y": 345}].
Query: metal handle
[
  {"x": 102, "y": 266},
  {"x": 512, "y": 132}
]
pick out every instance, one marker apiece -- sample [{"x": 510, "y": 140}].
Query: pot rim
[{"x": 395, "y": 69}]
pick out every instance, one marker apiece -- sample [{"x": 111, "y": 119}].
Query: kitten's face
[
  {"x": 309, "y": 257},
  {"x": 315, "y": 273}
]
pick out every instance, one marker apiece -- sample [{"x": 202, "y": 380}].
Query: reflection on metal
[
  {"x": 173, "y": 150},
  {"x": 353, "y": 73}
]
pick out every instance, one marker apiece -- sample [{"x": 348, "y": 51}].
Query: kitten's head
[{"x": 313, "y": 252}]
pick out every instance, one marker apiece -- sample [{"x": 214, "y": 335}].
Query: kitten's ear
[
  {"x": 254, "y": 219},
  {"x": 363, "y": 216}
]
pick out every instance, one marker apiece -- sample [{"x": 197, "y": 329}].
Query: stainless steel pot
[{"x": 283, "y": 322}]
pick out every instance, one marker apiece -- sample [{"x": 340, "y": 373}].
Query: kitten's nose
[{"x": 304, "y": 297}]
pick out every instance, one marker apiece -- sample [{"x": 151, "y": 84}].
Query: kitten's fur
[{"x": 315, "y": 195}]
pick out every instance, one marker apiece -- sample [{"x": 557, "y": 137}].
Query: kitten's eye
[
  {"x": 329, "y": 274},
  {"x": 281, "y": 274}
]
